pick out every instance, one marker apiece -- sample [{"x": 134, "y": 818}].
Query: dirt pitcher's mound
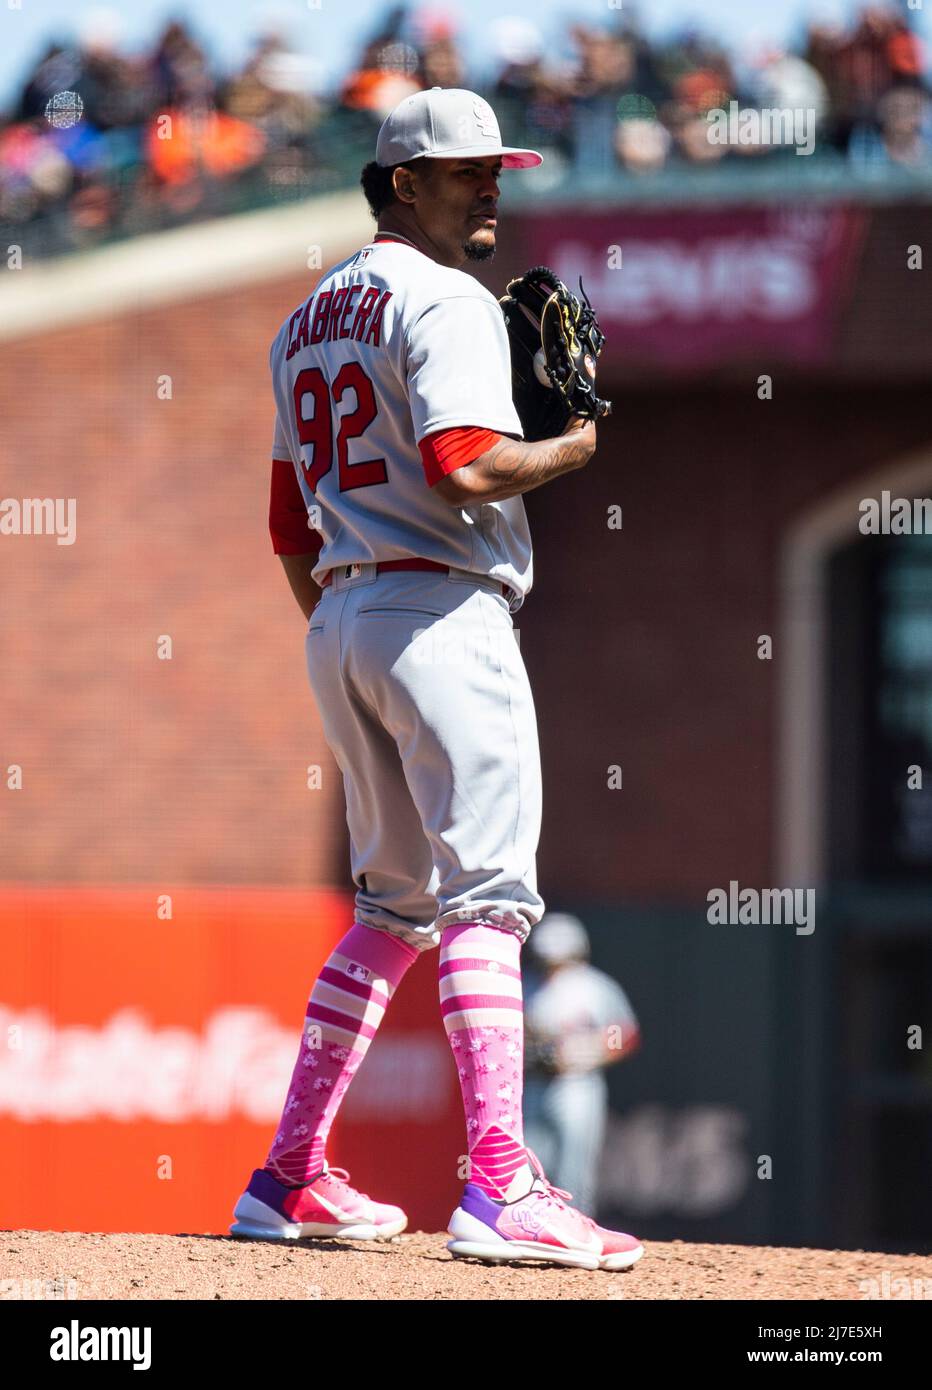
[{"x": 71, "y": 1264}]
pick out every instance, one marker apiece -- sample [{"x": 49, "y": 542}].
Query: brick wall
[{"x": 191, "y": 769}]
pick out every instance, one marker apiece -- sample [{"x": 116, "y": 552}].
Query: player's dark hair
[{"x": 377, "y": 184}]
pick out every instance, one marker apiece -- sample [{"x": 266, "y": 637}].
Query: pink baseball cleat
[
  {"x": 327, "y": 1206},
  {"x": 536, "y": 1226}
]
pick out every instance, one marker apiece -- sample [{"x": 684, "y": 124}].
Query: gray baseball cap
[
  {"x": 443, "y": 123},
  {"x": 559, "y": 936}
]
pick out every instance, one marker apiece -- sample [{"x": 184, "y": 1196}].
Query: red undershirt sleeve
[
  {"x": 288, "y": 514},
  {"x": 446, "y": 450}
]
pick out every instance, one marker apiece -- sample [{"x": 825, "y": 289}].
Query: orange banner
[{"x": 147, "y": 1037}]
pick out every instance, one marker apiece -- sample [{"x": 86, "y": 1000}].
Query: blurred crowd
[{"x": 100, "y": 141}]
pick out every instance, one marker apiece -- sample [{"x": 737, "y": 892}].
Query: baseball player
[
  {"x": 397, "y": 439},
  {"x": 577, "y": 1021}
]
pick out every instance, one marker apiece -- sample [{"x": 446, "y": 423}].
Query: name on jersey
[{"x": 340, "y": 313}]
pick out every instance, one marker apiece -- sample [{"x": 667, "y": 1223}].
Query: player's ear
[{"x": 403, "y": 183}]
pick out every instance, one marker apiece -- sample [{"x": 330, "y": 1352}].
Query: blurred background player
[{"x": 578, "y": 1021}]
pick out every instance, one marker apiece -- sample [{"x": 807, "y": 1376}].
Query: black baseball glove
[{"x": 555, "y": 341}]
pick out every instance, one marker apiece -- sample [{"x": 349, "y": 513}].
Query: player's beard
[{"x": 479, "y": 250}]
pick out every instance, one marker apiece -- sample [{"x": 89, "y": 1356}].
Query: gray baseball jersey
[
  {"x": 575, "y": 999},
  {"x": 420, "y": 684},
  {"x": 390, "y": 348}
]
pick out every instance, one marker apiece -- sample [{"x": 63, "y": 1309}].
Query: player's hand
[
  {"x": 582, "y": 433},
  {"x": 578, "y": 424}
]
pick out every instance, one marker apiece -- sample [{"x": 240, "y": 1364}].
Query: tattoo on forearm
[{"x": 515, "y": 464}]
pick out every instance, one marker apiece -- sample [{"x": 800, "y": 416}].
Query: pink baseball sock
[
  {"x": 483, "y": 1014},
  {"x": 346, "y": 1006}
]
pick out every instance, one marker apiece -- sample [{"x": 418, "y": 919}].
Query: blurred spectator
[
  {"x": 785, "y": 81},
  {"x": 901, "y": 135},
  {"x": 274, "y": 95},
  {"x": 442, "y": 64},
  {"x": 180, "y": 72},
  {"x": 58, "y": 70},
  {"x": 35, "y": 173},
  {"x": 905, "y": 52},
  {"x": 387, "y": 70},
  {"x": 642, "y": 144},
  {"x": 689, "y": 135},
  {"x": 578, "y": 1021},
  {"x": 186, "y": 141},
  {"x": 698, "y": 69},
  {"x": 518, "y": 47},
  {"x": 606, "y": 63},
  {"x": 114, "y": 89},
  {"x": 605, "y": 73},
  {"x": 867, "y": 63},
  {"x": 528, "y": 93},
  {"x": 385, "y": 77}
]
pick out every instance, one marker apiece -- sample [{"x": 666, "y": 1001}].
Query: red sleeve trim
[
  {"x": 447, "y": 450},
  {"x": 288, "y": 514}
]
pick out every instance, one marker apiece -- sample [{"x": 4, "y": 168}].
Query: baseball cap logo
[{"x": 485, "y": 119}]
